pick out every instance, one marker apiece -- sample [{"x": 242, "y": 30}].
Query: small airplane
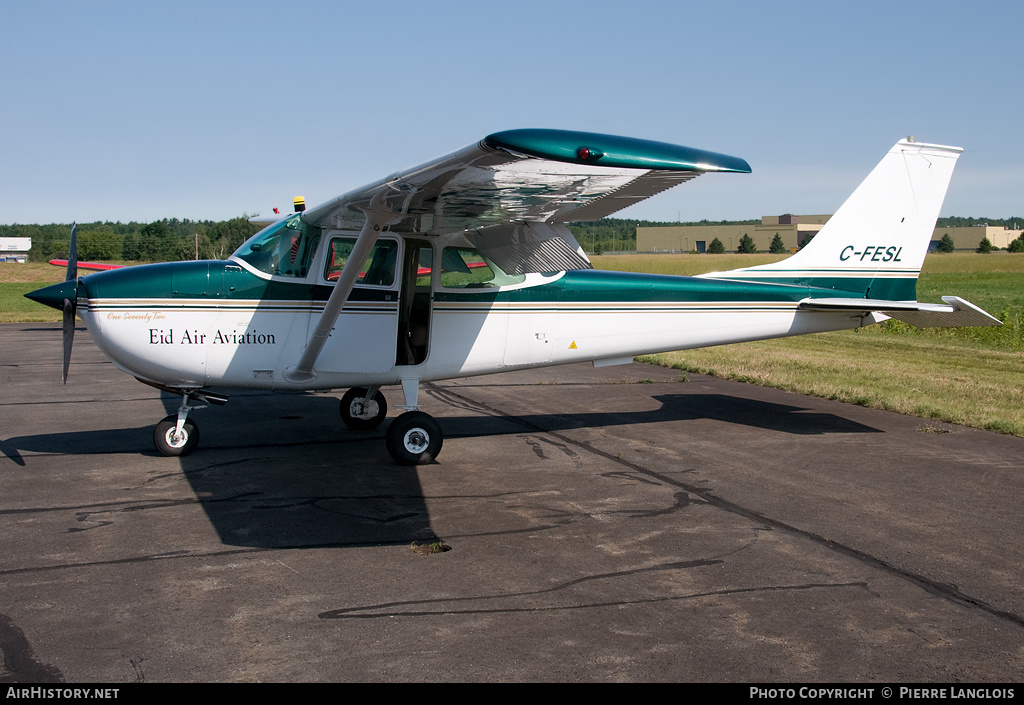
[
  {"x": 96, "y": 266},
  {"x": 464, "y": 266}
]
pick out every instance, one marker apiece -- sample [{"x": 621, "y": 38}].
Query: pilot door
[
  {"x": 415, "y": 304},
  {"x": 362, "y": 340}
]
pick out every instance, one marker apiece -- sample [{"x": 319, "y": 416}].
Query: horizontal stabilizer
[{"x": 957, "y": 313}]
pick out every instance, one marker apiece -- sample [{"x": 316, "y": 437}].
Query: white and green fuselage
[
  {"x": 439, "y": 272},
  {"x": 216, "y": 323}
]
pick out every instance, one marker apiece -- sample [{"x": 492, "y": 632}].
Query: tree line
[
  {"x": 173, "y": 239},
  {"x": 957, "y": 222},
  {"x": 160, "y": 241}
]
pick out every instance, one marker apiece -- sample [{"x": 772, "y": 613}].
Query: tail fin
[{"x": 875, "y": 244}]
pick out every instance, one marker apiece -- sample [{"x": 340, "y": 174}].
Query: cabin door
[
  {"x": 415, "y": 304},
  {"x": 362, "y": 340}
]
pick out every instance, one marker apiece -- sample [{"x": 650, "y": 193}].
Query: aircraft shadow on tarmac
[
  {"x": 757, "y": 414},
  {"x": 768, "y": 416},
  {"x": 314, "y": 483}
]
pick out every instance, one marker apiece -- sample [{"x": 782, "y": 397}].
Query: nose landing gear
[
  {"x": 177, "y": 435},
  {"x": 172, "y": 441}
]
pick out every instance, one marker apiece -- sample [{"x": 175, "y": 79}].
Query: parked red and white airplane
[{"x": 464, "y": 266}]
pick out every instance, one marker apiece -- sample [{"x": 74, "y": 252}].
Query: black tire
[
  {"x": 167, "y": 446},
  {"x": 363, "y": 417},
  {"x": 414, "y": 438}
]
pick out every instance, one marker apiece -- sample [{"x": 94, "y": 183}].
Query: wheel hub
[
  {"x": 416, "y": 440},
  {"x": 364, "y": 409},
  {"x": 176, "y": 440}
]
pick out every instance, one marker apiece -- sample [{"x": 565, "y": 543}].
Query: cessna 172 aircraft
[{"x": 464, "y": 266}]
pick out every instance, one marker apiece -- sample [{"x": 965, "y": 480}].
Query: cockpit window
[
  {"x": 377, "y": 270},
  {"x": 464, "y": 268},
  {"x": 283, "y": 249}
]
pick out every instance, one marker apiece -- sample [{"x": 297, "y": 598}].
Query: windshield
[{"x": 282, "y": 250}]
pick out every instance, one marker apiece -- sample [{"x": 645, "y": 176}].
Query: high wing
[
  {"x": 510, "y": 195},
  {"x": 512, "y": 192}
]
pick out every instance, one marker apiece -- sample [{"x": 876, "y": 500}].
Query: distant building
[
  {"x": 968, "y": 238},
  {"x": 15, "y": 249},
  {"x": 794, "y": 231}
]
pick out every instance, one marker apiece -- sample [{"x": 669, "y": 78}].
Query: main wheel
[
  {"x": 414, "y": 438},
  {"x": 163, "y": 437},
  {"x": 360, "y": 413}
]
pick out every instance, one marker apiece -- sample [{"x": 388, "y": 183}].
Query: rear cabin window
[
  {"x": 377, "y": 270},
  {"x": 464, "y": 268}
]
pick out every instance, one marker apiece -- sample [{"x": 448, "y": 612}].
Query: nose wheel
[
  {"x": 414, "y": 438},
  {"x": 172, "y": 443},
  {"x": 177, "y": 434}
]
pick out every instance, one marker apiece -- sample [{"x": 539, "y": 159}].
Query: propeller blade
[
  {"x": 69, "y": 334},
  {"x": 70, "y": 305},
  {"x": 72, "y": 256},
  {"x": 64, "y": 297}
]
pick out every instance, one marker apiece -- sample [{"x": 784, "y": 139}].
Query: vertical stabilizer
[{"x": 876, "y": 242}]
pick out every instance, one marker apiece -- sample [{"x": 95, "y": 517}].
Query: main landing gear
[
  {"x": 363, "y": 409},
  {"x": 414, "y": 438}
]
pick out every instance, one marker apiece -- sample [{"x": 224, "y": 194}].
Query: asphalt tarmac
[{"x": 613, "y": 524}]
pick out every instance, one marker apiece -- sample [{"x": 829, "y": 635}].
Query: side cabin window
[
  {"x": 377, "y": 270},
  {"x": 464, "y": 268},
  {"x": 283, "y": 249}
]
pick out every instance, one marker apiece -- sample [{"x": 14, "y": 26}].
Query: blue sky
[{"x": 140, "y": 111}]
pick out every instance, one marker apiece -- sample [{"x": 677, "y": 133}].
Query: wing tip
[{"x": 597, "y": 149}]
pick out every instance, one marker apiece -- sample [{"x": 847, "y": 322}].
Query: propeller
[
  {"x": 70, "y": 303},
  {"x": 64, "y": 298}
]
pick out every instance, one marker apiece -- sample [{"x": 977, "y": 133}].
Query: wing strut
[{"x": 375, "y": 221}]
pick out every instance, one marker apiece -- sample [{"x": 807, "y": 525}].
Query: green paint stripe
[{"x": 220, "y": 285}]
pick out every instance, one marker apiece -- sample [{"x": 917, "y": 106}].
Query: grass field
[
  {"x": 969, "y": 376},
  {"x": 16, "y": 280}
]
